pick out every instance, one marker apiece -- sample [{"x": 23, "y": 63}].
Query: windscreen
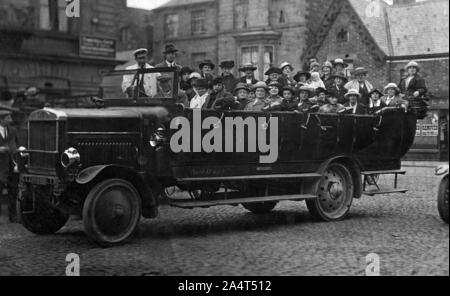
[{"x": 157, "y": 83}]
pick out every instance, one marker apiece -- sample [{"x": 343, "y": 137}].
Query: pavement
[{"x": 404, "y": 230}]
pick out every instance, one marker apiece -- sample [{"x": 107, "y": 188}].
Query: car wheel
[
  {"x": 111, "y": 212},
  {"x": 335, "y": 194}
]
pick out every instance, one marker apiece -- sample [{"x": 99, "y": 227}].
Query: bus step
[
  {"x": 395, "y": 172},
  {"x": 384, "y": 191},
  {"x": 190, "y": 204}
]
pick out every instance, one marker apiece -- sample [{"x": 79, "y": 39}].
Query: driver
[{"x": 145, "y": 84}]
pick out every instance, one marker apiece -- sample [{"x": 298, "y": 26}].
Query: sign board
[
  {"x": 430, "y": 130},
  {"x": 97, "y": 47}
]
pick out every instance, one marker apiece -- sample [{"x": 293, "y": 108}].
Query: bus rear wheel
[{"x": 334, "y": 196}]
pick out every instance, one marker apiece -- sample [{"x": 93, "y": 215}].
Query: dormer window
[{"x": 342, "y": 36}]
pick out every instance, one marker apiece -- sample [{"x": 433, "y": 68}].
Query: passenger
[
  {"x": 340, "y": 66},
  {"x": 337, "y": 89},
  {"x": 251, "y": 94},
  {"x": 274, "y": 97},
  {"x": 327, "y": 69},
  {"x": 202, "y": 98},
  {"x": 305, "y": 99},
  {"x": 274, "y": 75},
  {"x": 376, "y": 103},
  {"x": 314, "y": 67},
  {"x": 185, "y": 73},
  {"x": 354, "y": 106},
  {"x": 361, "y": 84},
  {"x": 144, "y": 85},
  {"x": 302, "y": 78},
  {"x": 219, "y": 98},
  {"x": 242, "y": 92},
  {"x": 192, "y": 80},
  {"x": 169, "y": 58},
  {"x": 290, "y": 101},
  {"x": 261, "y": 101},
  {"x": 8, "y": 146},
  {"x": 287, "y": 70},
  {"x": 333, "y": 106},
  {"x": 413, "y": 85},
  {"x": 316, "y": 82},
  {"x": 393, "y": 98},
  {"x": 321, "y": 96},
  {"x": 206, "y": 70},
  {"x": 249, "y": 77},
  {"x": 229, "y": 81}
]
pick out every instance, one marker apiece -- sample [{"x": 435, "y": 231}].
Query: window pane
[
  {"x": 198, "y": 22},
  {"x": 44, "y": 15},
  {"x": 171, "y": 26},
  {"x": 268, "y": 58},
  {"x": 241, "y": 14},
  {"x": 63, "y": 20}
]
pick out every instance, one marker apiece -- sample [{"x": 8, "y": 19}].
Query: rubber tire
[
  {"x": 260, "y": 208},
  {"x": 443, "y": 200},
  {"x": 46, "y": 220},
  {"x": 314, "y": 205},
  {"x": 89, "y": 222}
]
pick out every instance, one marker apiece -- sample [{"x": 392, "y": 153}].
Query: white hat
[
  {"x": 195, "y": 75},
  {"x": 352, "y": 92},
  {"x": 392, "y": 85},
  {"x": 412, "y": 64},
  {"x": 140, "y": 50},
  {"x": 286, "y": 64}
]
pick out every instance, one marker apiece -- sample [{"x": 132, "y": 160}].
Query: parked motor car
[{"x": 443, "y": 192}]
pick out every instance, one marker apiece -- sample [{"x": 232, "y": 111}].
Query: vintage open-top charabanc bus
[{"x": 110, "y": 162}]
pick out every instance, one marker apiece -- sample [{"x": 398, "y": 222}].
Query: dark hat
[
  {"x": 202, "y": 82},
  {"x": 6, "y": 96},
  {"x": 300, "y": 73},
  {"x": 227, "y": 64},
  {"x": 170, "y": 48},
  {"x": 340, "y": 75},
  {"x": 240, "y": 86},
  {"x": 321, "y": 90},
  {"x": 186, "y": 70},
  {"x": 207, "y": 63},
  {"x": 273, "y": 70},
  {"x": 260, "y": 84},
  {"x": 376, "y": 91},
  {"x": 217, "y": 80},
  {"x": 288, "y": 88},
  {"x": 248, "y": 66}
]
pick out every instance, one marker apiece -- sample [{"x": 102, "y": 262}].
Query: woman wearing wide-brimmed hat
[
  {"x": 241, "y": 92},
  {"x": 337, "y": 89},
  {"x": 361, "y": 84},
  {"x": 413, "y": 85},
  {"x": 354, "y": 105},
  {"x": 260, "y": 102},
  {"x": 249, "y": 74},
  {"x": 275, "y": 90},
  {"x": 327, "y": 71},
  {"x": 206, "y": 68},
  {"x": 376, "y": 103},
  {"x": 185, "y": 72},
  {"x": 306, "y": 100},
  {"x": 392, "y": 96},
  {"x": 302, "y": 77},
  {"x": 287, "y": 69},
  {"x": 274, "y": 74},
  {"x": 339, "y": 66}
]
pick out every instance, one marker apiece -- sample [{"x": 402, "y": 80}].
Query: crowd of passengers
[{"x": 323, "y": 88}]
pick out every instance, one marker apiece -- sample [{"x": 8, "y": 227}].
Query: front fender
[{"x": 89, "y": 174}]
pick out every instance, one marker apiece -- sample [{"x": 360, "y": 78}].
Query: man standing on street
[
  {"x": 144, "y": 85},
  {"x": 8, "y": 147},
  {"x": 169, "y": 55}
]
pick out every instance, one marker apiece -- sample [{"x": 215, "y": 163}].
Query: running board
[
  {"x": 253, "y": 177},
  {"x": 190, "y": 204},
  {"x": 394, "y": 172},
  {"x": 387, "y": 191}
]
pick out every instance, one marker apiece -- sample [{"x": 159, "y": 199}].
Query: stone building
[
  {"x": 264, "y": 32},
  {"x": 41, "y": 46},
  {"x": 384, "y": 38}
]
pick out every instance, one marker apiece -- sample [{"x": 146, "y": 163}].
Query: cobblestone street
[{"x": 404, "y": 230}]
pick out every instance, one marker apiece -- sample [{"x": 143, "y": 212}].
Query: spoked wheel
[
  {"x": 45, "y": 219},
  {"x": 111, "y": 212},
  {"x": 335, "y": 194},
  {"x": 443, "y": 200},
  {"x": 261, "y": 207}
]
